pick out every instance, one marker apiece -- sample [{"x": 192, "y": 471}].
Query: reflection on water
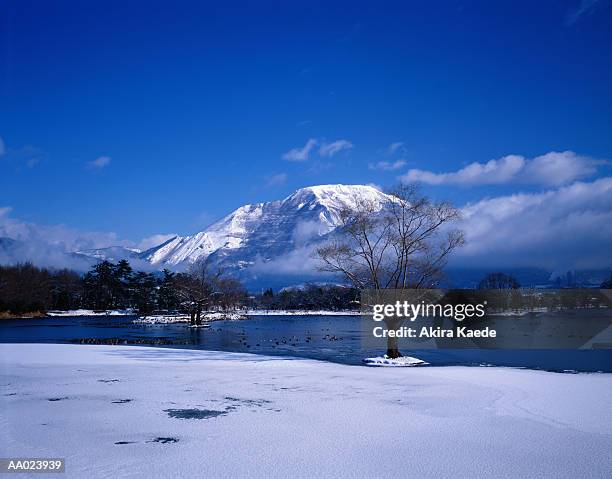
[{"x": 329, "y": 338}]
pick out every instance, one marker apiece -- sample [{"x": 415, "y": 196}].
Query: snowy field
[{"x": 116, "y": 411}]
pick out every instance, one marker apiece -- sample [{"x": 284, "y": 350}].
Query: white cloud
[
  {"x": 393, "y": 148},
  {"x": 387, "y": 165},
  {"x": 300, "y": 261},
  {"x": 551, "y": 169},
  {"x": 300, "y": 154},
  {"x": 585, "y": 7},
  {"x": 306, "y": 231},
  {"x": 326, "y": 149},
  {"x": 330, "y": 149},
  {"x": 154, "y": 240},
  {"x": 276, "y": 180},
  {"x": 559, "y": 168},
  {"x": 100, "y": 162},
  {"x": 566, "y": 227}
]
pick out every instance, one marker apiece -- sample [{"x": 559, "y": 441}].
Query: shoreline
[
  {"x": 250, "y": 312},
  {"x": 367, "y": 362}
]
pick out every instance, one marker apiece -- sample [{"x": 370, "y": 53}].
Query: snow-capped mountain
[
  {"x": 265, "y": 243},
  {"x": 254, "y": 235}
]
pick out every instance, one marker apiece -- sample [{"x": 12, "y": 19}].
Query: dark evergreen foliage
[{"x": 25, "y": 288}]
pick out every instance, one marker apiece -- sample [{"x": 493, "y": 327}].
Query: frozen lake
[{"x": 330, "y": 338}]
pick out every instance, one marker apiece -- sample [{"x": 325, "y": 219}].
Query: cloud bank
[
  {"x": 63, "y": 237},
  {"x": 552, "y": 169},
  {"x": 49, "y": 245},
  {"x": 568, "y": 227},
  {"x": 53, "y": 245}
]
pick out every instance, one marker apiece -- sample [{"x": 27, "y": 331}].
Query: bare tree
[
  {"x": 403, "y": 243},
  {"x": 498, "y": 281},
  {"x": 205, "y": 287},
  {"x": 196, "y": 289},
  {"x": 229, "y": 292}
]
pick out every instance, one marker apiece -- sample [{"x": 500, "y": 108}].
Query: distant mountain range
[{"x": 265, "y": 244}]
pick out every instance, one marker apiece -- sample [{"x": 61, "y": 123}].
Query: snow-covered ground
[
  {"x": 385, "y": 361},
  {"x": 299, "y": 312},
  {"x": 163, "y": 319},
  {"x": 148, "y": 412},
  {"x": 91, "y": 312},
  {"x": 213, "y": 316},
  {"x": 185, "y": 318}
]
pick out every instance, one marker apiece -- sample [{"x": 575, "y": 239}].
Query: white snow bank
[
  {"x": 185, "y": 318},
  {"x": 105, "y": 408},
  {"x": 396, "y": 362},
  {"x": 162, "y": 319},
  {"x": 219, "y": 316},
  {"x": 91, "y": 312},
  {"x": 299, "y": 312}
]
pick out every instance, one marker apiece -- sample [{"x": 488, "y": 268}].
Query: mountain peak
[{"x": 324, "y": 191}]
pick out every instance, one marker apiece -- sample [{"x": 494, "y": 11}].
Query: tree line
[
  {"x": 25, "y": 288},
  {"x": 310, "y": 297}
]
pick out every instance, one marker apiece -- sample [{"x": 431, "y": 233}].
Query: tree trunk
[
  {"x": 392, "y": 348},
  {"x": 192, "y": 317},
  {"x": 199, "y": 317}
]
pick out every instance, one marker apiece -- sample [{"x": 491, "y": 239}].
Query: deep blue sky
[{"x": 195, "y": 104}]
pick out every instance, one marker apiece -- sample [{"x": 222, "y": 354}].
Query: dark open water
[{"x": 329, "y": 338}]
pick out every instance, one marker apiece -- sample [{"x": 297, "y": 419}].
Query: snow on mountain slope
[{"x": 265, "y": 231}]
